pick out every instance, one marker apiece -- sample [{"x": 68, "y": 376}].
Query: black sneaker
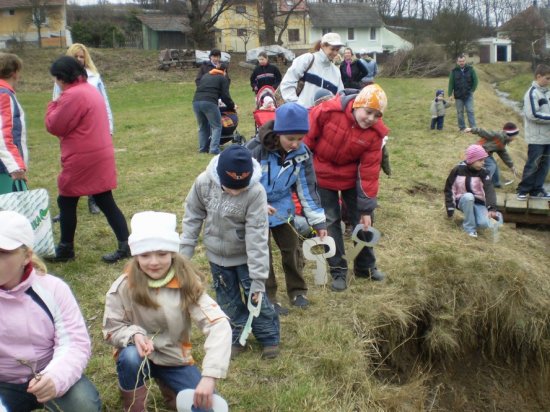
[
  {"x": 300, "y": 301},
  {"x": 236, "y": 350},
  {"x": 522, "y": 196},
  {"x": 542, "y": 195},
  {"x": 339, "y": 283},
  {"x": 280, "y": 309}
]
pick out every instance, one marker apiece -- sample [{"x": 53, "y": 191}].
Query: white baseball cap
[
  {"x": 16, "y": 231},
  {"x": 333, "y": 39}
]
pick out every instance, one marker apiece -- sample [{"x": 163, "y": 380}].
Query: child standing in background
[
  {"x": 536, "y": 110},
  {"x": 231, "y": 203},
  {"x": 437, "y": 109},
  {"x": 496, "y": 142},
  {"x": 469, "y": 188},
  {"x": 148, "y": 314}
]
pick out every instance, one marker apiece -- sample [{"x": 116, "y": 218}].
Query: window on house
[
  {"x": 326, "y": 30},
  {"x": 10, "y": 12},
  {"x": 373, "y": 33},
  {"x": 293, "y": 35},
  {"x": 241, "y": 32},
  {"x": 351, "y": 33},
  {"x": 240, "y": 9}
]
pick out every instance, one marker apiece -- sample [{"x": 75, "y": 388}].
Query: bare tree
[
  {"x": 287, "y": 15},
  {"x": 38, "y": 16},
  {"x": 203, "y": 15}
]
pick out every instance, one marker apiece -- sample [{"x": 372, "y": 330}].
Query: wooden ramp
[{"x": 531, "y": 211}]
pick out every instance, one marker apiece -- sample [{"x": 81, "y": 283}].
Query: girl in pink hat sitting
[{"x": 469, "y": 188}]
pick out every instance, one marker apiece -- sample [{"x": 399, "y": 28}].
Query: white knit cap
[
  {"x": 153, "y": 231},
  {"x": 16, "y": 231}
]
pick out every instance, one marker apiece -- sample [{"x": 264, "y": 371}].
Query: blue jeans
[
  {"x": 475, "y": 215},
  {"x": 227, "y": 282},
  {"x": 330, "y": 201},
  {"x": 437, "y": 121},
  {"x": 209, "y": 119},
  {"x": 467, "y": 103},
  {"x": 535, "y": 170},
  {"x": 494, "y": 173},
  {"x": 177, "y": 378},
  {"x": 82, "y": 397}
]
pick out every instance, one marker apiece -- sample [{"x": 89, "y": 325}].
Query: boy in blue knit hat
[
  {"x": 287, "y": 167},
  {"x": 230, "y": 202},
  {"x": 437, "y": 109}
]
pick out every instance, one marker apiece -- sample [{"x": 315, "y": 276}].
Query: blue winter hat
[
  {"x": 291, "y": 118},
  {"x": 438, "y": 92},
  {"x": 322, "y": 94},
  {"x": 235, "y": 167}
]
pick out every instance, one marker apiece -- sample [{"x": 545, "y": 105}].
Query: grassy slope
[{"x": 400, "y": 345}]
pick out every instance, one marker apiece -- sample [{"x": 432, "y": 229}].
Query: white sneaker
[{"x": 472, "y": 234}]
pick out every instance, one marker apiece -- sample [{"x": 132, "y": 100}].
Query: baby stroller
[
  {"x": 230, "y": 121},
  {"x": 265, "y": 106}
]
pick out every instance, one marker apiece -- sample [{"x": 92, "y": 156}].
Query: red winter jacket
[
  {"x": 79, "y": 119},
  {"x": 344, "y": 155}
]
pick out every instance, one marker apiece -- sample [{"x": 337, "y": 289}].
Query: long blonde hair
[
  {"x": 190, "y": 279},
  {"x": 37, "y": 263},
  {"x": 88, "y": 62}
]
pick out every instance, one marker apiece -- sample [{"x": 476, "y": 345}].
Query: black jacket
[
  {"x": 205, "y": 68},
  {"x": 358, "y": 71},
  {"x": 214, "y": 86},
  {"x": 268, "y": 75}
]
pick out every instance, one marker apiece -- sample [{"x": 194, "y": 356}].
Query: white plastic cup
[{"x": 184, "y": 402}]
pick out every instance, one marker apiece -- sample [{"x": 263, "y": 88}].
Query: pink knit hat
[{"x": 475, "y": 152}]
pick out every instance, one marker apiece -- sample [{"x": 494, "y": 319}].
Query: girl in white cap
[
  {"x": 316, "y": 69},
  {"x": 44, "y": 342},
  {"x": 148, "y": 314}
]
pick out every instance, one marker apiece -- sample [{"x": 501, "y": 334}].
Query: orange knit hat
[{"x": 371, "y": 97}]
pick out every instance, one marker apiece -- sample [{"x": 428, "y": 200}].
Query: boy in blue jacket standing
[{"x": 287, "y": 167}]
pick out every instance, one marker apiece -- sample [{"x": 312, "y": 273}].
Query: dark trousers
[
  {"x": 106, "y": 203},
  {"x": 330, "y": 200},
  {"x": 292, "y": 258},
  {"x": 535, "y": 170},
  {"x": 437, "y": 121}
]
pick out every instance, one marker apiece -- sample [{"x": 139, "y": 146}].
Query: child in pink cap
[{"x": 469, "y": 188}]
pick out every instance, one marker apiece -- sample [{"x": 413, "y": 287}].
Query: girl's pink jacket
[
  {"x": 59, "y": 347},
  {"x": 79, "y": 119}
]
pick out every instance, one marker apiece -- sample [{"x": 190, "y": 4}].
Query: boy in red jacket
[{"x": 345, "y": 136}]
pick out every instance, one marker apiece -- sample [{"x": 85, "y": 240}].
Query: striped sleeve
[
  {"x": 536, "y": 106},
  {"x": 9, "y": 152}
]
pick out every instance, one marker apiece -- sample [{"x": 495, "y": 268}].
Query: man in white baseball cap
[{"x": 16, "y": 231}]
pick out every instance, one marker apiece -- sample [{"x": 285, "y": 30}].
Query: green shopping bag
[{"x": 35, "y": 206}]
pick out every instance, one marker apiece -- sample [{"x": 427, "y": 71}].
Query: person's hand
[
  {"x": 468, "y": 130},
  {"x": 492, "y": 214},
  {"x": 144, "y": 345},
  {"x": 43, "y": 388},
  {"x": 366, "y": 221},
  {"x": 271, "y": 210},
  {"x": 256, "y": 297},
  {"x": 204, "y": 393},
  {"x": 515, "y": 171},
  {"x": 19, "y": 175},
  {"x": 322, "y": 233}
]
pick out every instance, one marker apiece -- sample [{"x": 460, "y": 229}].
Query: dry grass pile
[{"x": 422, "y": 61}]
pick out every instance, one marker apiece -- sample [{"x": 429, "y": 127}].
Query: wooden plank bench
[{"x": 530, "y": 211}]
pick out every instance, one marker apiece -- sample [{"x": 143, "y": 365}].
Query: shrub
[{"x": 422, "y": 61}]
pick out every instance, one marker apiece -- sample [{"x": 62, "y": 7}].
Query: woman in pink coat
[{"x": 79, "y": 119}]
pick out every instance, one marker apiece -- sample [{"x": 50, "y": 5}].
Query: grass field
[{"x": 455, "y": 324}]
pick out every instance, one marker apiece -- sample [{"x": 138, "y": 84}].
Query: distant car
[
  {"x": 274, "y": 52},
  {"x": 201, "y": 56}
]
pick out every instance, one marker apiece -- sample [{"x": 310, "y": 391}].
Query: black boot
[
  {"x": 92, "y": 206},
  {"x": 63, "y": 253},
  {"x": 122, "y": 252}
]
